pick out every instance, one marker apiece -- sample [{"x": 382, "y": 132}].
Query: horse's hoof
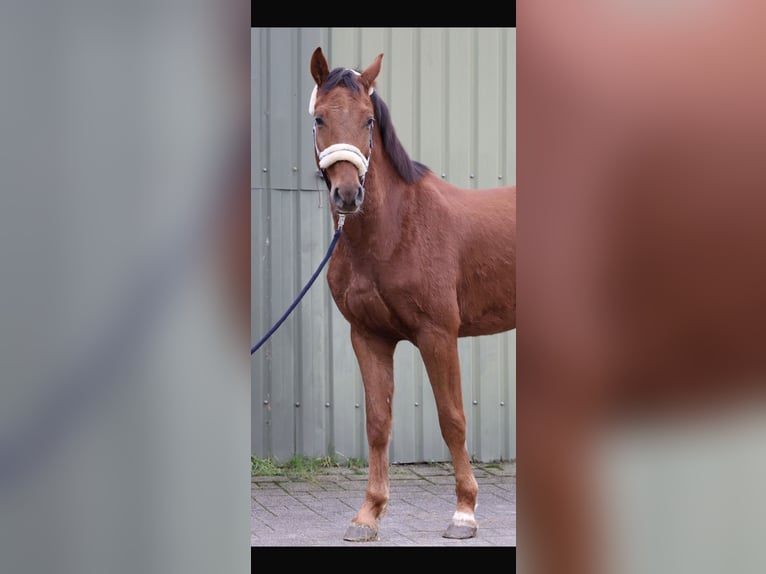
[
  {"x": 460, "y": 530},
  {"x": 361, "y": 533}
]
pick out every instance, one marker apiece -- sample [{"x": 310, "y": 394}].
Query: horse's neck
[{"x": 378, "y": 228}]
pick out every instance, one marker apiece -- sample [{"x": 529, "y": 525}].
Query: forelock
[{"x": 341, "y": 77}]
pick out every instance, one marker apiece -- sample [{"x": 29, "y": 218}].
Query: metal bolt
[
  {"x": 476, "y": 402},
  {"x": 265, "y": 170},
  {"x": 295, "y": 168},
  {"x": 265, "y": 402},
  {"x": 499, "y": 177},
  {"x": 416, "y": 404},
  {"x": 444, "y": 175},
  {"x": 327, "y": 405},
  {"x": 471, "y": 176},
  {"x": 297, "y": 404},
  {"x": 356, "y": 406},
  {"x": 502, "y": 403}
]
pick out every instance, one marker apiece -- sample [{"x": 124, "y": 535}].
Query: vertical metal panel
[
  {"x": 488, "y": 124},
  {"x": 344, "y": 48},
  {"x": 509, "y": 100},
  {"x": 258, "y": 105},
  {"x": 508, "y": 429},
  {"x": 311, "y": 317},
  {"x": 451, "y": 93},
  {"x": 260, "y": 259},
  {"x": 372, "y": 42},
  {"x": 432, "y": 106},
  {"x": 348, "y": 402},
  {"x": 284, "y": 343},
  {"x": 460, "y": 106},
  {"x": 260, "y": 315},
  {"x": 282, "y": 250},
  {"x": 403, "y": 88},
  {"x": 408, "y": 380},
  {"x": 283, "y": 119}
]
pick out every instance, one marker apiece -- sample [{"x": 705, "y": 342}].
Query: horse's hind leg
[
  {"x": 440, "y": 355},
  {"x": 376, "y": 361}
]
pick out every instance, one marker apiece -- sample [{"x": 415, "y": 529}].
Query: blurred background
[
  {"x": 642, "y": 290},
  {"x": 124, "y": 305}
]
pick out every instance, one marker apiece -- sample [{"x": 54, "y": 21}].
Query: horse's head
[{"x": 343, "y": 128}]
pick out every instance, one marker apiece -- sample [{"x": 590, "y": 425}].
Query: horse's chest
[{"x": 362, "y": 301}]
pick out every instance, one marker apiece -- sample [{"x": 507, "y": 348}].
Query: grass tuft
[{"x": 303, "y": 467}]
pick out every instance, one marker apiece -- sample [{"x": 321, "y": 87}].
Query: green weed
[{"x": 304, "y": 467}]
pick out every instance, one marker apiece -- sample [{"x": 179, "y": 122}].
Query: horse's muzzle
[{"x": 347, "y": 199}]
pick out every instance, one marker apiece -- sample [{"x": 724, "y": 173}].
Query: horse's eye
[
  {"x": 369, "y": 123},
  {"x": 319, "y": 121}
]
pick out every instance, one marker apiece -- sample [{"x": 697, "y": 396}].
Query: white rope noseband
[{"x": 341, "y": 151}]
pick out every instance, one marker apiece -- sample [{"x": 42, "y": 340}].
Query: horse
[{"x": 419, "y": 260}]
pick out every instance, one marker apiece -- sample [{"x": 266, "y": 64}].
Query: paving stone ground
[{"x": 315, "y": 512}]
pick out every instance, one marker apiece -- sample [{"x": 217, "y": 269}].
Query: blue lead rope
[{"x": 305, "y": 289}]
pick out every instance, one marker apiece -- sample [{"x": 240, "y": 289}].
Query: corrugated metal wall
[{"x": 451, "y": 93}]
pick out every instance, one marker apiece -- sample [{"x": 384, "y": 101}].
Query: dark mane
[{"x": 409, "y": 170}]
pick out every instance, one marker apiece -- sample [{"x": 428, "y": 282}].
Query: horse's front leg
[
  {"x": 439, "y": 351},
  {"x": 376, "y": 361}
]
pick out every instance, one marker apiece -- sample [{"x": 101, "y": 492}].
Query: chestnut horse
[{"x": 419, "y": 260}]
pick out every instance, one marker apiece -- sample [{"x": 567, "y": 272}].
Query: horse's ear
[
  {"x": 319, "y": 68},
  {"x": 372, "y": 71}
]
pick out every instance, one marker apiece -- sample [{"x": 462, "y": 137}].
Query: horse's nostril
[{"x": 348, "y": 197}]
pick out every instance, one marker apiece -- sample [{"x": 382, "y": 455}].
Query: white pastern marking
[{"x": 464, "y": 518}]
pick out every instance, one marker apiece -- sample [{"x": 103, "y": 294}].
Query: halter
[{"x": 341, "y": 151}]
